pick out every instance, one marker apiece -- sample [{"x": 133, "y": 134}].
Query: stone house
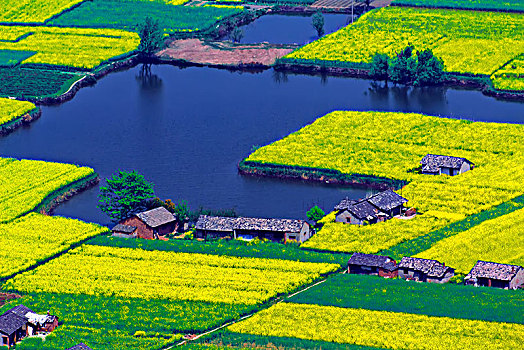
[
  {"x": 490, "y": 274},
  {"x": 433, "y": 164},
  {"x": 377, "y": 208},
  {"x": 151, "y": 224},
  {"x": 370, "y": 264},
  {"x": 209, "y": 227},
  {"x": 20, "y": 322},
  {"x": 80, "y": 346},
  {"x": 424, "y": 270}
]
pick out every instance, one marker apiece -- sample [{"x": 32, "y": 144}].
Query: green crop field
[
  {"x": 397, "y": 295},
  {"x": 128, "y": 14},
  {"x": 35, "y": 83},
  {"x": 469, "y": 42},
  {"x": 351, "y": 143}
]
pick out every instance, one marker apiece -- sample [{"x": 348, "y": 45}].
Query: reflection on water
[{"x": 187, "y": 129}]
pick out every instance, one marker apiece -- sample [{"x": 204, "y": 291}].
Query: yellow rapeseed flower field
[
  {"x": 73, "y": 47},
  {"x": 32, "y": 11},
  {"x": 381, "y": 329},
  {"x": 500, "y": 240},
  {"x": 24, "y": 184},
  {"x": 35, "y": 237},
  {"x": 391, "y": 145},
  {"x": 135, "y": 273},
  {"x": 13, "y": 109}
]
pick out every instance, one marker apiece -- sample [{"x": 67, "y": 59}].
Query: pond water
[
  {"x": 289, "y": 29},
  {"x": 186, "y": 129}
]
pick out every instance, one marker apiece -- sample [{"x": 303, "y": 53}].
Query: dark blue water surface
[
  {"x": 186, "y": 129},
  {"x": 290, "y": 29}
]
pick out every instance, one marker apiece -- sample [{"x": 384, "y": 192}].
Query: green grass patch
[
  {"x": 227, "y": 340},
  {"x": 34, "y": 83},
  {"x": 268, "y": 250},
  {"x": 397, "y": 295},
  {"x": 506, "y": 5},
  {"x": 129, "y": 14},
  {"x": 422, "y": 243},
  {"x": 10, "y": 58}
]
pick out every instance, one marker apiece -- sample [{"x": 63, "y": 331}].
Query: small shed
[
  {"x": 248, "y": 228},
  {"x": 491, "y": 274},
  {"x": 433, "y": 164},
  {"x": 80, "y": 346},
  {"x": 424, "y": 270},
  {"x": 124, "y": 231},
  {"x": 370, "y": 264},
  {"x": 152, "y": 224}
]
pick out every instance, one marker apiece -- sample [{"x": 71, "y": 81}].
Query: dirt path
[{"x": 223, "y": 53}]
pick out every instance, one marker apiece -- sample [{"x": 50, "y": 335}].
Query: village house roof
[
  {"x": 496, "y": 271},
  {"x": 387, "y": 200},
  {"x": 345, "y": 204},
  {"x": 13, "y": 319},
  {"x": 363, "y": 210},
  {"x": 227, "y": 224},
  {"x": 431, "y": 163},
  {"x": 156, "y": 217},
  {"x": 432, "y": 268},
  {"x": 124, "y": 228},
  {"x": 80, "y": 346},
  {"x": 39, "y": 320},
  {"x": 372, "y": 260}
]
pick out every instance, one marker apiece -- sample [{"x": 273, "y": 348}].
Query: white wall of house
[
  {"x": 465, "y": 167},
  {"x": 348, "y": 218},
  {"x": 517, "y": 280}
]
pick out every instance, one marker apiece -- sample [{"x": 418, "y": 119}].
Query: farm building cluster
[
  {"x": 377, "y": 208},
  {"x": 20, "y": 322},
  {"x": 484, "y": 273}
]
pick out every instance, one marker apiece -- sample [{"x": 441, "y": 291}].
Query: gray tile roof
[
  {"x": 432, "y": 268},
  {"x": 156, "y": 217},
  {"x": 227, "y": 224},
  {"x": 486, "y": 269},
  {"x": 372, "y": 260},
  {"x": 387, "y": 200},
  {"x": 80, "y": 346},
  {"x": 124, "y": 228},
  {"x": 432, "y": 162},
  {"x": 364, "y": 210},
  {"x": 13, "y": 319},
  {"x": 345, "y": 203}
]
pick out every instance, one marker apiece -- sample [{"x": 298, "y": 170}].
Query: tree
[
  {"x": 318, "y": 23},
  {"x": 151, "y": 36},
  {"x": 315, "y": 213},
  {"x": 379, "y": 67},
  {"x": 402, "y": 68},
  {"x": 237, "y": 34},
  {"x": 429, "y": 70},
  {"x": 126, "y": 193}
]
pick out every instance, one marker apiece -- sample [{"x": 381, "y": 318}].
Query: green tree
[
  {"x": 126, "y": 193},
  {"x": 236, "y": 35},
  {"x": 151, "y": 36},
  {"x": 429, "y": 70},
  {"x": 379, "y": 67},
  {"x": 315, "y": 213},
  {"x": 318, "y": 23},
  {"x": 402, "y": 68}
]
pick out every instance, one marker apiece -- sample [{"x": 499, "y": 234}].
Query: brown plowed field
[{"x": 220, "y": 53}]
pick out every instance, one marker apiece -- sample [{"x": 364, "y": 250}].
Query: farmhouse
[
  {"x": 490, "y": 274},
  {"x": 20, "y": 322},
  {"x": 369, "y": 264},
  {"x": 149, "y": 224},
  {"x": 80, "y": 346},
  {"x": 424, "y": 270},
  {"x": 377, "y": 208},
  {"x": 433, "y": 164},
  {"x": 249, "y": 228}
]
